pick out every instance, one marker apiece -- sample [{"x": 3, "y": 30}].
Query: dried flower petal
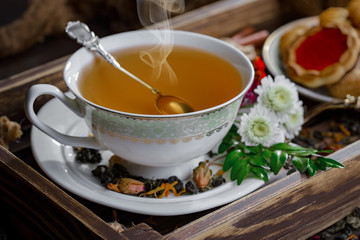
[
  {"x": 202, "y": 175},
  {"x": 127, "y": 186},
  {"x": 117, "y": 226},
  {"x": 9, "y": 131},
  {"x": 165, "y": 189}
]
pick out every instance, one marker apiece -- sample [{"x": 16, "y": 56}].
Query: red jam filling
[{"x": 321, "y": 49}]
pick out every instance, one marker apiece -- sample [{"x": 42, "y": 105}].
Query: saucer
[{"x": 58, "y": 162}]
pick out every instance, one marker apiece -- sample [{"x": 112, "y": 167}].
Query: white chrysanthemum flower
[
  {"x": 293, "y": 126},
  {"x": 278, "y": 95},
  {"x": 260, "y": 126}
]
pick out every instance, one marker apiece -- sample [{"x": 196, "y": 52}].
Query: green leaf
[
  {"x": 243, "y": 173},
  {"x": 238, "y": 165},
  {"x": 304, "y": 153},
  {"x": 251, "y": 149},
  {"x": 223, "y": 147},
  {"x": 266, "y": 154},
  {"x": 258, "y": 160},
  {"x": 300, "y": 163},
  {"x": 286, "y": 147},
  {"x": 231, "y": 158},
  {"x": 331, "y": 162},
  {"x": 260, "y": 173},
  {"x": 293, "y": 149},
  {"x": 321, "y": 165},
  {"x": 229, "y": 140},
  {"x": 312, "y": 168},
  {"x": 277, "y": 160},
  {"x": 233, "y": 128},
  {"x": 325, "y": 151}
]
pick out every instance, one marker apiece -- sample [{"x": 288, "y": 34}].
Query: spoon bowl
[
  {"x": 172, "y": 105},
  {"x": 165, "y": 104}
]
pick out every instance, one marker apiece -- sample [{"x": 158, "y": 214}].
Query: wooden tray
[{"x": 293, "y": 207}]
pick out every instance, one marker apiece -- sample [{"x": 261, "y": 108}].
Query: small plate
[
  {"x": 271, "y": 56},
  {"x": 58, "y": 162}
]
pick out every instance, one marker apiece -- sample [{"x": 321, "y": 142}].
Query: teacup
[{"x": 148, "y": 140}]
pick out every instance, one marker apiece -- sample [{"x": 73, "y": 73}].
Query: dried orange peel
[{"x": 165, "y": 188}]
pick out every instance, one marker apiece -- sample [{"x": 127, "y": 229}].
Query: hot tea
[
  {"x": 203, "y": 79},
  {"x": 163, "y": 144}
]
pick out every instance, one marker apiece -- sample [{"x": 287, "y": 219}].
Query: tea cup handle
[{"x": 46, "y": 89}]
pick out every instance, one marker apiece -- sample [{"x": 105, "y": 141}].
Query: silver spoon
[
  {"x": 350, "y": 102},
  {"x": 166, "y": 104}
]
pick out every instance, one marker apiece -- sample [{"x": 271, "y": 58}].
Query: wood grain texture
[
  {"x": 13, "y": 89},
  {"x": 294, "y": 207},
  {"x": 49, "y": 211},
  {"x": 212, "y": 21},
  {"x": 142, "y": 231}
]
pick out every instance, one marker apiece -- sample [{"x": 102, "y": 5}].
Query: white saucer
[{"x": 58, "y": 162}]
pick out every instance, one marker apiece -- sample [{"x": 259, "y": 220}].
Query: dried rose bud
[
  {"x": 130, "y": 186},
  {"x": 127, "y": 186},
  {"x": 115, "y": 160},
  {"x": 202, "y": 175}
]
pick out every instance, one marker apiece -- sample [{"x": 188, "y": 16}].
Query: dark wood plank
[
  {"x": 13, "y": 89},
  {"x": 226, "y": 17},
  {"x": 142, "y": 231},
  {"x": 51, "y": 212},
  {"x": 294, "y": 207}
]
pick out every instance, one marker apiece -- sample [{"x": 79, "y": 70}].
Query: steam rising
[{"x": 158, "y": 12}]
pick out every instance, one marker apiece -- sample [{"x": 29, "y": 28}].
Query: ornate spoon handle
[
  {"x": 350, "y": 102},
  {"x": 84, "y": 36}
]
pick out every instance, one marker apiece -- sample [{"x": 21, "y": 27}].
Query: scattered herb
[
  {"x": 105, "y": 174},
  {"x": 346, "y": 229},
  {"x": 201, "y": 175},
  {"x": 203, "y": 179},
  {"x": 87, "y": 155},
  {"x": 116, "y": 178},
  {"x": 164, "y": 190},
  {"x": 191, "y": 188},
  {"x": 127, "y": 185},
  {"x": 337, "y": 134}
]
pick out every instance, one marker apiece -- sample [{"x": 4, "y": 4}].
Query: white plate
[
  {"x": 58, "y": 162},
  {"x": 274, "y": 64}
]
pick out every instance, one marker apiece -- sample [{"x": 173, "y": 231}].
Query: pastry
[
  {"x": 289, "y": 38},
  {"x": 333, "y": 15},
  {"x": 326, "y": 54},
  {"x": 349, "y": 84},
  {"x": 323, "y": 55},
  {"x": 354, "y": 12}
]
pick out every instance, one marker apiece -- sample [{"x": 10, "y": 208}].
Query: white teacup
[{"x": 149, "y": 140}]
